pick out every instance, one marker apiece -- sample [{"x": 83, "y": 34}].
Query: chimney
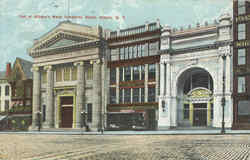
[{"x": 8, "y": 69}]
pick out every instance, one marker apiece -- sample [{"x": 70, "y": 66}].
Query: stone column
[
  {"x": 79, "y": 93},
  {"x": 191, "y": 113},
  {"x": 49, "y": 119},
  {"x": 157, "y": 79},
  {"x": 209, "y": 113},
  {"x": 162, "y": 78},
  {"x": 228, "y": 74},
  {"x": 36, "y": 95},
  {"x": 96, "y": 95},
  {"x": 168, "y": 80},
  {"x": 146, "y": 83}
]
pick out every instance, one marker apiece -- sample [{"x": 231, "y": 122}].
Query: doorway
[
  {"x": 66, "y": 112},
  {"x": 200, "y": 114}
]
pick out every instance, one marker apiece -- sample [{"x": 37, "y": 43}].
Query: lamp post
[{"x": 223, "y": 100}]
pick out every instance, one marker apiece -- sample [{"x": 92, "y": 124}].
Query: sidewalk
[{"x": 167, "y": 132}]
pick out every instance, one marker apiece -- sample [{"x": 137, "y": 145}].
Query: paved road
[{"x": 124, "y": 147}]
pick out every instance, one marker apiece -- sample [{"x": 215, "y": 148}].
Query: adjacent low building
[{"x": 5, "y": 89}]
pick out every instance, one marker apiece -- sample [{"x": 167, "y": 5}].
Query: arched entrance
[{"x": 195, "y": 98}]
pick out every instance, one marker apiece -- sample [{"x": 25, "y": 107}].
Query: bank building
[{"x": 68, "y": 71}]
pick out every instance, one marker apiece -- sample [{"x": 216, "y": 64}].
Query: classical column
[
  {"x": 49, "y": 119},
  {"x": 36, "y": 95},
  {"x": 96, "y": 95},
  {"x": 228, "y": 73},
  {"x": 191, "y": 113},
  {"x": 146, "y": 83},
  {"x": 168, "y": 80},
  {"x": 157, "y": 79},
  {"x": 209, "y": 113},
  {"x": 162, "y": 78},
  {"x": 79, "y": 93}
]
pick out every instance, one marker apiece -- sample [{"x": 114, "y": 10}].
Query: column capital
[
  {"x": 97, "y": 61},
  {"x": 81, "y": 63},
  {"x": 48, "y": 67},
  {"x": 225, "y": 51},
  {"x": 35, "y": 68}
]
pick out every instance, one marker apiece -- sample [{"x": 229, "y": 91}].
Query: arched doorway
[{"x": 195, "y": 98}]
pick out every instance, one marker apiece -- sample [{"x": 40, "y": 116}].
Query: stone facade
[{"x": 205, "y": 50}]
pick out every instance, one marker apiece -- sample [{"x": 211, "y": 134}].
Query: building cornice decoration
[
  {"x": 34, "y": 68},
  {"x": 81, "y": 63},
  {"x": 74, "y": 47},
  {"x": 49, "y": 67},
  {"x": 225, "y": 51},
  {"x": 97, "y": 61}
]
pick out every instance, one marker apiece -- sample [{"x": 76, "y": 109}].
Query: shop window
[
  {"x": 241, "y": 56},
  {"x": 121, "y": 74},
  {"x": 74, "y": 73},
  {"x": 121, "y": 53},
  {"x": 58, "y": 75},
  {"x": 151, "y": 71},
  {"x": 244, "y": 107},
  {"x": 127, "y": 95},
  {"x": 112, "y": 75},
  {"x": 127, "y": 73},
  {"x": 90, "y": 72},
  {"x": 44, "y": 77},
  {"x": 136, "y": 95},
  {"x": 241, "y": 31},
  {"x": 7, "y": 90},
  {"x": 136, "y": 73},
  {"x": 66, "y": 74},
  {"x": 186, "y": 111},
  {"x": 241, "y": 84},
  {"x": 112, "y": 95},
  {"x": 151, "y": 94},
  {"x": 241, "y": 7},
  {"x": 89, "y": 112},
  {"x": 142, "y": 72},
  {"x": 121, "y": 96}
]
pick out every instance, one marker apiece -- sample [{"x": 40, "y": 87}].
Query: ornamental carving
[{"x": 200, "y": 93}]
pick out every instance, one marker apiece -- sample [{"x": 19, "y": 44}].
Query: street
[{"x": 123, "y": 147}]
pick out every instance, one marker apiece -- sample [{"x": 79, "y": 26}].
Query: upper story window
[
  {"x": 127, "y": 73},
  {"x": 44, "y": 77},
  {"x": 142, "y": 95},
  {"x": 121, "y": 74},
  {"x": 139, "y": 51},
  {"x": 7, "y": 90},
  {"x": 151, "y": 94},
  {"x": 74, "y": 73},
  {"x": 142, "y": 72},
  {"x": 58, "y": 75},
  {"x": 241, "y": 84},
  {"x": 121, "y": 53},
  {"x": 241, "y": 7},
  {"x": 112, "y": 95},
  {"x": 90, "y": 72},
  {"x": 136, "y": 73},
  {"x": 112, "y": 75},
  {"x": 66, "y": 74},
  {"x": 241, "y": 31},
  {"x": 121, "y": 96},
  {"x": 136, "y": 92},
  {"x": 131, "y": 52},
  {"x": 127, "y": 95},
  {"x": 151, "y": 71},
  {"x": 135, "y": 51},
  {"x": 241, "y": 56},
  {"x": 126, "y": 54}
]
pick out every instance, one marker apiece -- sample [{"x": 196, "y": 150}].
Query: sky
[{"x": 20, "y": 25}]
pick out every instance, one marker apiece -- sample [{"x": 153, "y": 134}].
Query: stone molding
[
  {"x": 98, "y": 61},
  {"x": 49, "y": 67},
  {"x": 34, "y": 69},
  {"x": 81, "y": 63},
  {"x": 225, "y": 51}
]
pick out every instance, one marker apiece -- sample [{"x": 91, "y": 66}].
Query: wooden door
[{"x": 67, "y": 117}]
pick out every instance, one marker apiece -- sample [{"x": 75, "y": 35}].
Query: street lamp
[{"x": 223, "y": 100}]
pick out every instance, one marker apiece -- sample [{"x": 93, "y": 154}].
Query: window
[
  {"x": 7, "y": 90},
  {"x": 241, "y": 31},
  {"x": 151, "y": 94},
  {"x": 121, "y": 53},
  {"x": 6, "y": 106},
  {"x": 58, "y": 75},
  {"x": 142, "y": 95},
  {"x": 127, "y": 95},
  {"x": 90, "y": 72},
  {"x": 136, "y": 95},
  {"x": 244, "y": 107},
  {"x": 151, "y": 71},
  {"x": 135, "y": 51},
  {"x": 66, "y": 74},
  {"x": 0, "y": 90},
  {"x": 127, "y": 73},
  {"x": 121, "y": 96},
  {"x": 139, "y": 51},
  {"x": 121, "y": 74},
  {"x": 186, "y": 111},
  {"x": 44, "y": 77},
  {"x": 241, "y": 7},
  {"x": 136, "y": 73},
  {"x": 112, "y": 75},
  {"x": 74, "y": 74},
  {"x": 112, "y": 95},
  {"x": 89, "y": 112},
  {"x": 131, "y": 52},
  {"x": 126, "y": 53},
  {"x": 241, "y": 56},
  {"x": 142, "y": 72},
  {"x": 144, "y": 50},
  {"x": 241, "y": 84}
]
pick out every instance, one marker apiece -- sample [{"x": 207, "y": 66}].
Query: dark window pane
[
  {"x": 121, "y": 74},
  {"x": 136, "y": 95},
  {"x": 151, "y": 71},
  {"x": 127, "y": 74},
  {"x": 151, "y": 94},
  {"x": 112, "y": 95},
  {"x": 113, "y": 75},
  {"x": 136, "y": 73},
  {"x": 142, "y": 95},
  {"x": 127, "y": 95},
  {"x": 89, "y": 112},
  {"x": 121, "y": 96},
  {"x": 244, "y": 107},
  {"x": 142, "y": 72},
  {"x": 7, "y": 89},
  {"x": 186, "y": 111}
]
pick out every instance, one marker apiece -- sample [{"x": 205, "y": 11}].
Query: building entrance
[
  {"x": 200, "y": 114},
  {"x": 66, "y": 112}
]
